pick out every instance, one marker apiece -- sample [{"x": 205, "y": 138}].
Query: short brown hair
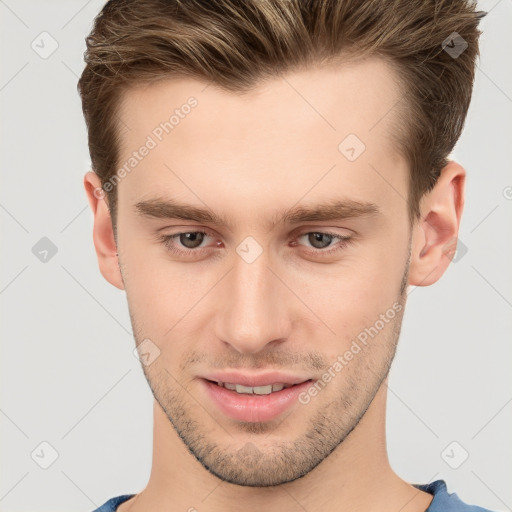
[{"x": 237, "y": 43}]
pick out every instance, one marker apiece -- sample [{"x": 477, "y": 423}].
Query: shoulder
[
  {"x": 445, "y": 501},
  {"x": 112, "y": 504}
]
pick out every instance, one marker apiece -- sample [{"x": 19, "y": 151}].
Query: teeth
[
  {"x": 247, "y": 389},
  {"x": 256, "y": 390},
  {"x": 263, "y": 390}
]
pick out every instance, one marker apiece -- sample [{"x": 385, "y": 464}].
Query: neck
[{"x": 356, "y": 476}]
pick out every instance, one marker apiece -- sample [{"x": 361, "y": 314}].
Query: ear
[
  {"x": 103, "y": 234},
  {"x": 434, "y": 237}
]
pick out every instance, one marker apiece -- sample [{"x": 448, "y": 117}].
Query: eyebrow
[{"x": 326, "y": 211}]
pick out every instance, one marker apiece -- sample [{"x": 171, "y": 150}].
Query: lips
[{"x": 249, "y": 407}]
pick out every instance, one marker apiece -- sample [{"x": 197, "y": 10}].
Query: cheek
[
  {"x": 161, "y": 292},
  {"x": 350, "y": 297}
]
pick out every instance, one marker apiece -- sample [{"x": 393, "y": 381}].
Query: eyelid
[
  {"x": 326, "y": 230},
  {"x": 296, "y": 232}
]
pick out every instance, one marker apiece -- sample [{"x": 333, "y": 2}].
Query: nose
[{"x": 254, "y": 307}]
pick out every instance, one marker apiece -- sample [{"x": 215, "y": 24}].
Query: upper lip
[{"x": 257, "y": 379}]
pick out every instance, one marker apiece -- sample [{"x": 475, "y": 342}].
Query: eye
[
  {"x": 320, "y": 240},
  {"x": 190, "y": 240}
]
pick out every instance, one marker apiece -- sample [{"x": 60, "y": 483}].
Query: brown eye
[
  {"x": 185, "y": 243},
  {"x": 191, "y": 240}
]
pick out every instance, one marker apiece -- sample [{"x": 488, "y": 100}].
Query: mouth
[{"x": 253, "y": 403}]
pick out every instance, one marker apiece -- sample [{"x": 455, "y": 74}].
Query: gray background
[{"x": 69, "y": 377}]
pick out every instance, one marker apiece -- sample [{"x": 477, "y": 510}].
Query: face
[{"x": 300, "y": 266}]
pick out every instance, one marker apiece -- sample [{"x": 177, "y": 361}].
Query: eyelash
[{"x": 168, "y": 239}]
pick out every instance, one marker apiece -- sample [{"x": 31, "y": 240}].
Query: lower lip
[{"x": 254, "y": 408}]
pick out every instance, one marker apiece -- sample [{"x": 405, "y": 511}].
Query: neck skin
[{"x": 356, "y": 476}]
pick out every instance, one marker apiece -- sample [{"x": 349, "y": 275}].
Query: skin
[{"x": 245, "y": 156}]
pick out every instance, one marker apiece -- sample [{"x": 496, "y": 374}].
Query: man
[{"x": 269, "y": 177}]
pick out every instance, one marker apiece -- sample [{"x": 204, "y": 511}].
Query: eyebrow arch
[{"x": 326, "y": 211}]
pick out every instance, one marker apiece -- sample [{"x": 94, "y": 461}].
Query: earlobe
[
  {"x": 435, "y": 235},
  {"x": 103, "y": 234}
]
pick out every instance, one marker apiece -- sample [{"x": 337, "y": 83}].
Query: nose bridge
[{"x": 253, "y": 313}]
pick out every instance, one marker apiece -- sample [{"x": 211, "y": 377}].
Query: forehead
[
  {"x": 291, "y": 136},
  {"x": 356, "y": 94}
]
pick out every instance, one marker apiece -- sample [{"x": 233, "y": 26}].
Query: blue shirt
[{"x": 443, "y": 500}]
